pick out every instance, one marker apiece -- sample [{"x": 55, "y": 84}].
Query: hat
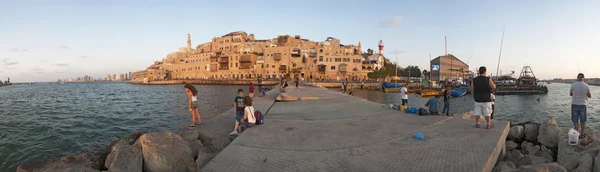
[{"x": 580, "y": 75}]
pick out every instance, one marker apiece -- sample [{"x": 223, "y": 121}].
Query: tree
[
  {"x": 413, "y": 71},
  {"x": 378, "y": 74},
  {"x": 281, "y": 40}
]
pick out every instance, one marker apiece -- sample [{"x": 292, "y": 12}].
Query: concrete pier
[{"x": 335, "y": 132}]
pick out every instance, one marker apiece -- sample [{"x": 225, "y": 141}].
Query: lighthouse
[{"x": 380, "y": 47}]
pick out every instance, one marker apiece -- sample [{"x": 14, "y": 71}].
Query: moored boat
[{"x": 458, "y": 93}]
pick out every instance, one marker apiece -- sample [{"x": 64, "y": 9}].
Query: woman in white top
[
  {"x": 248, "y": 113},
  {"x": 193, "y": 105}
]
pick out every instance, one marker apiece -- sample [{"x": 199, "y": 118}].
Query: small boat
[
  {"x": 458, "y": 93},
  {"x": 391, "y": 87},
  {"x": 428, "y": 93}
]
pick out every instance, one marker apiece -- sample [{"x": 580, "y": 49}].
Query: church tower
[{"x": 189, "y": 42}]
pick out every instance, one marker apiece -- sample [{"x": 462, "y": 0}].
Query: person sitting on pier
[{"x": 433, "y": 105}]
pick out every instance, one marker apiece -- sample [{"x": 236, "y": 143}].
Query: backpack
[
  {"x": 259, "y": 117},
  {"x": 423, "y": 111}
]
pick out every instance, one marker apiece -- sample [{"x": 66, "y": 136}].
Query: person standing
[
  {"x": 493, "y": 107},
  {"x": 481, "y": 89},
  {"x": 446, "y": 110},
  {"x": 580, "y": 92},
  {"x": 251, "y": 90},
  {"x": 297, "y": 82},
  {"x": 404, "y": 94}
]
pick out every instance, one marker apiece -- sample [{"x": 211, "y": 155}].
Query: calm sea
[
  {"x": 47, "y": 120},
  {"x": 515, "y": 108}
]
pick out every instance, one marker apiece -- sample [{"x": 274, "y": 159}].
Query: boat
[
  {"x": 527, "y": 83},
  {"x": 430, "y": 92},
  {"x": 391, "y": 87},
  {"x": 458, "y": 93}
]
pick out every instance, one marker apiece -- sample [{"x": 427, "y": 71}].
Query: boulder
[
  {"x": 203, "y": 158},
  {"x": 548, "y": 155},
  {"x": 531, "y": 160},
  {"x": 596, "y": 164},
  {"x": 218, "y": 144},
  {"x": 191, "y": 136},
  {"x": 514, "y": 156},
  {"x": 548, "y": 134},
  {"x": 510, "y": 145},
  {"x": 125, "y": 158},
  {"x": 516, "y": 133},
  {"x": 531, "y": 131},
  {"x": 165, "y": 151},
  {"x": 504, "y": 166},
  {"x": 567, "y": 155},
  {"x": 586, "y": 162},
  {"x": 548, "y": 167},
  {"x": 529, "y": 148},
  {"x": 78, "y": 162}
]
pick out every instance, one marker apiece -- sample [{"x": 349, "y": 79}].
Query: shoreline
[{"x": 206, "y": 82}]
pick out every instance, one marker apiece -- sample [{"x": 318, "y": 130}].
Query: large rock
[
  {"x": 567, "y": 156},
  {"x": 529, "y": 148},
  {"x": 191, "y": 136},
  {"x": 586, "y": 162},
  {"x": 218, "y": 144},
  {"x": 548, "y": 167},
  {"x": 516, "y": 133},
  {"x": 547, "y": 153},
  {"x": 510, "y": 145},
  {"x": 166, "y": 151},
  {"x": 514, "y": 156},
  {"x": 125, "y": 158},
  {"x": 531, "y": 132},
  {"x": 504, "y": 166},
  {"x": 78, "y": 162},
  {"x": 549, "y": 133},
  {"x": 203, "y": 158},
  {"x": 531, "y": 160},
  {"x": 596, "y": 164}
]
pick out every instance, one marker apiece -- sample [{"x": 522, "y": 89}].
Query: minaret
[
  {"x": 189, "y": 42},
  {"x": 380, "y": 47},
  {"x": 359, "y": 48}
]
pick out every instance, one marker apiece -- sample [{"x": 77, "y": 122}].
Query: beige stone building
[
  {"x": 238, "y": 55},
  {"x": 448, "y": 67}
]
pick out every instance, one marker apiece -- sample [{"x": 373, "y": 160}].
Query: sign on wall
[{"x": 435, "y": 67}]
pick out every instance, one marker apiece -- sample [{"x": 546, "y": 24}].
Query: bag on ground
[
  {"x": 423, "y": 111},
  {"x": 259, "y": 117}
]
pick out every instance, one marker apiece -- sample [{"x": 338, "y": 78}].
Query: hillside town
[{"x": 238, "y": 55}]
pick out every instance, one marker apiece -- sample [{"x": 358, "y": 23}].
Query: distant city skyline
[{"x": 47, "y": 41}]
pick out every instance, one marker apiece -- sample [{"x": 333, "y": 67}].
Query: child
[
  {"x": 251, "y": 90},
  {"x": 248, "y": 113},
  {"x": 193, "y": 105},
  {"x": 238, "y": 105}
]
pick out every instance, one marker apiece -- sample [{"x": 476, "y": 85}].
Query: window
[
  {"x": 338, "y": 59},
  {"x": 320, "y": 50},
  {"x": 332, "y": 67},
  {"x": 320, "y": 58}
]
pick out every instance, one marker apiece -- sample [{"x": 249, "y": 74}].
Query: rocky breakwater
[{"x": 143, "y": 152}]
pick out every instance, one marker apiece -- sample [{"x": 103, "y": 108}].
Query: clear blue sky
[{"x": 48, "y": 40}]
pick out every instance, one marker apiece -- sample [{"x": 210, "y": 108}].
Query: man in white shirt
[
  {"x": 580, "y": 92},
  {"x": 404, "y": 94}
]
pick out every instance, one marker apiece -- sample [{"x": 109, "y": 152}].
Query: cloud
[
  {"x": 8, "y": 62},
  {"x": 61, "y": 64},
  {"x": 18, "y": 49},
  {"x": 62, "y": 47},
  {"x": 391, "y": 22}
]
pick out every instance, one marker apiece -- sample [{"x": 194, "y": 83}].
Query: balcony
[
  {"x": 223, "y": 68},
  {"x": 295, "y": 53},
  {"x": 223, "y": 62},
  {"x": 277, "y": 56},
  {"x": 246, "y": 67},
  {"x": 245, "y": 58},
  {"x": 282, "y": 67}
]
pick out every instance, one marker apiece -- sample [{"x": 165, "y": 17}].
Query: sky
[{"x": 44, "y": 40}]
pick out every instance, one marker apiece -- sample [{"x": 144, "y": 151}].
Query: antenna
[{"x": 500, "y": 55}]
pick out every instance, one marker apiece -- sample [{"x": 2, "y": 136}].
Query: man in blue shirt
[{"x": 433, "y": 105}]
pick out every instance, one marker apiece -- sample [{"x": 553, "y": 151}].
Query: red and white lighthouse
[{"x": 380, "y": 47}]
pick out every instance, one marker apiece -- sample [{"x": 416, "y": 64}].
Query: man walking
[
  {"x": 481, "y": 88},
  {"x": 404, "y": 94},
  {"x": 446, "y": 110},
  {"x": 580, "y": 92}
]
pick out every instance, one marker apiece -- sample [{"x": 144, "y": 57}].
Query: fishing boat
[
  {"x": 527, "y": 83},
  {"x": 430, "y": 92},
  {"x": 458, "y": 93}
]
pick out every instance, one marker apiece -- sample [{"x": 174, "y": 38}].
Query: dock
[{"x": 315, "y": 129}]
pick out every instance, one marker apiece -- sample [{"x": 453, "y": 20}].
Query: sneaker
[
  {"x": 233, "y": 133},
  {"x": 199, "y": 124},
  {"x": 191, "y": 126}
]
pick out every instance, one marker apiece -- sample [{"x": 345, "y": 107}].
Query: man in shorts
[
  {"x": 580, "y": 92},
  {"x": 481, "y": 89}
]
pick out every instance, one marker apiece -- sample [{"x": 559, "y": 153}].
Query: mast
[{"x": 500, "y": 55}]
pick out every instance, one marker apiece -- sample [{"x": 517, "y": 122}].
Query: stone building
[
  {"x": 238, "y": 55},
  {"x": 448, "y": 67}
]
